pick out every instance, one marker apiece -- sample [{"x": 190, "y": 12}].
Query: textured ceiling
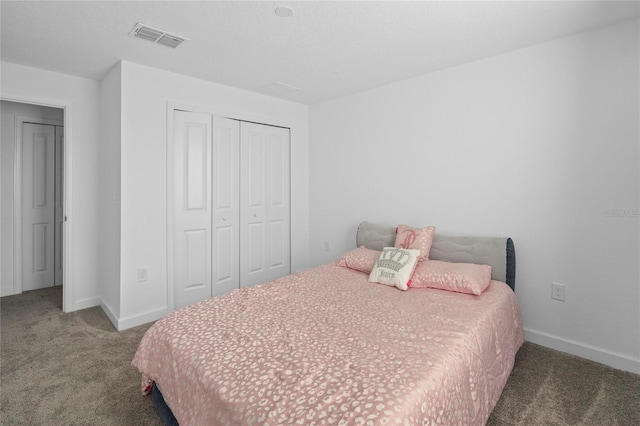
[{"x": 327, "y": 49}]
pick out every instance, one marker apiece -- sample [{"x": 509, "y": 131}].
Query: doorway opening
[{"x": 33, "y": 172}]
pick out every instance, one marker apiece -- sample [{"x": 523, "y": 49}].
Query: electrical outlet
[
  {"x": 326, "y": 246},
  {"x": 557, "y": 291},
  {"x": 143, "y": 274}
]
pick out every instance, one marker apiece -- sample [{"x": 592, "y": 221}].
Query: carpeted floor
[{"x": 74, "y": 369}]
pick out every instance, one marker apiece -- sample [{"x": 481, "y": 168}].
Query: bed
[{"x": 326, "y": 346}]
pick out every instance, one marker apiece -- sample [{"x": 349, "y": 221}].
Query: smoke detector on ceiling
[
  {"x": 284, "y": 11},
  {"x": 156, "y": 35}
]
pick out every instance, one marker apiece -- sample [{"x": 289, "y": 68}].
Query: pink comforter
[{"x": 325, "y": 346}]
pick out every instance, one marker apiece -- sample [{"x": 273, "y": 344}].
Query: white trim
[
  {"x": 1, "y": 288},
  {"x": 17, "y": 209},
  {"x": 613, "y": 359},
  {"x": 110, "y": 313},
  {"x": 170, "y": 217},
  {"x": 144, "y": 318},
  {"x": 86, "y": 303},
  {"x": 67, "y": 238},
  {"x": 234, "y": 115},
  {"x": 67, "y": 229},
  {"x": 44, "y": 121}
]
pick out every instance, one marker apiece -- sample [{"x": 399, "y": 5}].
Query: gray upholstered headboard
[{"x": 499, "y": 252}]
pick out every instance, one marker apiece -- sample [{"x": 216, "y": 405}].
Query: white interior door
[
  {"x": 226, "y": 200},
  {"x": 264, "y": 203},
  {"x": 38, "y": 206},
  {"x": 192, "y": 207}
]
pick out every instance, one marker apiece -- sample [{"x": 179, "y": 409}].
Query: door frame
[
  {"x": 265, "y": 120},
  {"x": 17, "y": 195},
  {"x": 67, "y": 184}
]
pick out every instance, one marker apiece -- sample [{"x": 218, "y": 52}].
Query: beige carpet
[{"x": 74, "y": 369}]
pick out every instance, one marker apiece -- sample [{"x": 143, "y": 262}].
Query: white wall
[
  {"x": 109, "y": 202},
  {"x": 539, "y": 144},
  {"x": 80, "y": 97},
  {"x": 146, "y": 93},
  {"x": 118, "y": 136},
  {"x": 9, "y": 112}
]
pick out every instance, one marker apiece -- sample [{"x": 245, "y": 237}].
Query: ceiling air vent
[{"x": 156, "y": 35}]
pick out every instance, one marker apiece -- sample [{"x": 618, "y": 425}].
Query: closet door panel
[
  {"x": 255, "y": 167},
  {"x": 225, "y": 260},
  {"x": 195, "y": 259},
  {"x": 196, "y": 163},
  {"x": 278, "y": 203},
  {"x": 255, "y": 249},
  {"x": 277, "y": 252},
  {"x": 192, "y": 207},
  {"x": 252, "y": 206},
  {"x": 264, "y": 192},
  {"x": 279, "y": 172},
  {"x": 226, "y": 202}
]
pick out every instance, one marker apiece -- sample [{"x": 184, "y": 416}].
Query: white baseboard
[
  {"x": 593, "y": 353},
  {"x": 7, "y": 292},
  {"x": 123, "y": 324},
  {"x": 86, "y": 303},
  {"x": 144, "y": 318},
  {"x": 110, "y": 314}
]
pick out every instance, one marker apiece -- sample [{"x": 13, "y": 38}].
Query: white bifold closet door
[
  {"x": 231, "y": 223},
  {"x": 226, "y": 205},
  {"x": 192, "y": 207},
  {"x": 265, "y": 249}
]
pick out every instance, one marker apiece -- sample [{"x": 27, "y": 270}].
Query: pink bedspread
[{"x": 325, "y": 346}]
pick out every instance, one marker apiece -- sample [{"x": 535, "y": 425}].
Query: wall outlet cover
[{"x": 558, "y": 291}]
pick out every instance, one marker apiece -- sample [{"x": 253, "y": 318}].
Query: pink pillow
[
  {"x": 361, "y": 259},
  {"x": 459, "y": 277},
  {"x": 415, "y": 238}
]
